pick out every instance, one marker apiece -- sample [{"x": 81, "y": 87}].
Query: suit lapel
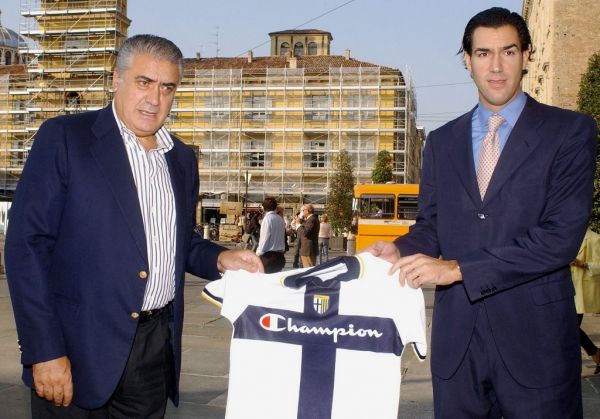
[
  {"x": 177, "y": 175},
  {"x": 109, "y": 151},
  {"x": 522, "y": 141},
  {"x": 461, "y": 155}
]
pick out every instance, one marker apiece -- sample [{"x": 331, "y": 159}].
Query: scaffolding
[
  {"x": 282, "y": 122},
  {"x": 286, "y": 126},
  {"x": 71, "y": 49}
]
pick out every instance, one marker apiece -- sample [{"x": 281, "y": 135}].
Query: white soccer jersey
[{"x": 328, "y": 349}]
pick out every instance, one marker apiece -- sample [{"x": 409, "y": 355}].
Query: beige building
[{"x": 565, "y": 34}]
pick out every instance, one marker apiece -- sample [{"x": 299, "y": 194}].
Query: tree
[
  {"x": 588, "y": 102},
  {"x": 382, "y": 172},
  {"x": 341, "y": 191}
]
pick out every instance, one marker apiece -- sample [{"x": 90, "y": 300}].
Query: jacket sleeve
[
  {"x": 34, "y": 223},
  {"x": 422, "y": 236}
]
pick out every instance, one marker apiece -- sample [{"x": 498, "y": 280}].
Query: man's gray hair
[{"x": 154, "y": 45}]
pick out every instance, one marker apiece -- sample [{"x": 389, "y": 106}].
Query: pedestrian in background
[
  {"x": 585, "y": 270},
  {"x": 298, "y": 221},
  {"x": 310, "y": 238},
  {"x": 324, "y": 236},
  {"x": 271, "y": 245}
]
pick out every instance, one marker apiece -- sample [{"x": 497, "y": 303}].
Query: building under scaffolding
[
  {"x": 261, "y": 125},
  {"x": 284, "y": 120},
  {"x": 71, "y": 52}
]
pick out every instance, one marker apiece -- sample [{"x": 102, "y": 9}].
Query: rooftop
[
  {"x": 312, "y": 62},
  {"x": 302, "y": 31}
]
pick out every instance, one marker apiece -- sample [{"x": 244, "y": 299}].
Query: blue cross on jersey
[
  {"x": 320, "y": 336},
  {"x": 331, "y": 348}
]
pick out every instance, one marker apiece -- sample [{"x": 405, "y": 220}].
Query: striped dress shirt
[{"x": 157, "y": 202}]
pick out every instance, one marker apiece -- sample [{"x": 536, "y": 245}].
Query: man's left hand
[
  {"x": 419, "y": 269},
  {"x": 239, "y": 259}
]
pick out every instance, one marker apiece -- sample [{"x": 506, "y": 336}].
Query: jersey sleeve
[
  {"x": 224, "y": 293},
  {"x": 411, "y": 320},
  {"x": 409, "y": 304}
]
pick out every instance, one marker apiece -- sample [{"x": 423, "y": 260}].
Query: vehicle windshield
[
  {"x": 376, "y": 206},
  {"x": 407, "y": 207}
]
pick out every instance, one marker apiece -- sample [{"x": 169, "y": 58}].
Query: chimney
[
  {"x": 250, "y": 56},
  {"x": 293, "y": 62},
  {"x": 198, "y": 56},
  {"x": 347, "y": 54}
]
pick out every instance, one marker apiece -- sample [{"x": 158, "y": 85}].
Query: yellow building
[
  {"x": 71, "y": 52},
  {"x": 270, "y": 125},
  {"x": 284, "y": 118}
]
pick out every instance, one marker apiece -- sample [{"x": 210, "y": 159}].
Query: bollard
[
  {"x": 206, "y": 234},
  {"x": 351, "y": 245}
]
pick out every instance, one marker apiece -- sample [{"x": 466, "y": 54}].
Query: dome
[{"x": 9, "y": 38}]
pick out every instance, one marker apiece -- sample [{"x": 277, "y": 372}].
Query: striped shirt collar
[{"x": 163, "y": 138}]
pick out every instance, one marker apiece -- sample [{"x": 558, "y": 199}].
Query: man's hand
[
  {"x": 53, "y": 382},
  {"x": 419, "y": 269},
  {"x": 385, "y": 250},
  {"x": 239, "y": 259}
]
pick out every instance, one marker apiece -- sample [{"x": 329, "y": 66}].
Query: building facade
[
  {"x": 565, "y": 35},
  {"x": 262, "y": 126},
  {"x": 71, "y": 50}
]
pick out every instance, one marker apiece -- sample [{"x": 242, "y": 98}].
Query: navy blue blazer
[
  {"x": 514, "y": 248},
  {"x": 76, "y": 245}
]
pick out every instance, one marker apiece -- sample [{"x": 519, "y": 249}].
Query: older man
[
  {"x": 99, "y": 242},
  {"x": 310, "y": 236}
]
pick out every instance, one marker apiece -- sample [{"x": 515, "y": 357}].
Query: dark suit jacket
[
  {"x": 310, "y": 239},
  {"x": 514, "y": 248},
  {"x": 75, "y": 248}
]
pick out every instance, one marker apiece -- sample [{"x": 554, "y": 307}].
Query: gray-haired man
[{"x": 99, "y": 242}]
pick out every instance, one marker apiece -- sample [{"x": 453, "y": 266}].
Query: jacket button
[
  {"x": 481, "y": 216},
  {"x": 143, "y": 274},
  {"x": 135, "y": 315}
]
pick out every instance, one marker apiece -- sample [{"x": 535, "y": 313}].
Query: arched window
[
  {"x": 8, "y": 58},
  {"x": 312, "y": 48},
  {"x": 298, "y": 49},
  {"x": 284, "y": 49}
]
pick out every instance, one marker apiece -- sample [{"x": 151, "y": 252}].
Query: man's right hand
[{"x": 53, "y": 382}]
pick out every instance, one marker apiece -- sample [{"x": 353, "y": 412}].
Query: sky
[{"x": 421, "y": 38}]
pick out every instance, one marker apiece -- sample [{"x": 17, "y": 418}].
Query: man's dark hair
[
  {"x": 269, "y": 204},
  {"x": 496, "y": 17}
]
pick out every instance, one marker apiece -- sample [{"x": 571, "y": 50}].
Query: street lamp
[{"x": 247, "y": 177}]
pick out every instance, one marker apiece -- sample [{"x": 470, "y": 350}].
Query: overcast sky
[{"x": 421, "y": 36}]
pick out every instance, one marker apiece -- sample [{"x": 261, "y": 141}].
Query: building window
[
  {"x": 298, "y": 49},
  {"x": 260, "y": 103},
  {"x": 312, "y": 48},
  {"x": 317, "y": 107},
  {"x": 7, "y": 57},
  {"x": 357, "y": 103},
  {"x": 284, "y": 49},
  {"x": 317, "y": 157},
  {"x": 72, "y": 101},
  {"x": 254, "y": 159},
  {"x": 220, "y": 107}
]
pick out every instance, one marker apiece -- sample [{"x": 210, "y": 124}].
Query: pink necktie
[{"x": 489, "y": 153}]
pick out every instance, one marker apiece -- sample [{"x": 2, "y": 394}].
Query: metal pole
[{"x": 246, "y": 198}]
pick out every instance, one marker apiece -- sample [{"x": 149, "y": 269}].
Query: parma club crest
[{"x": 321, "y": 303}]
